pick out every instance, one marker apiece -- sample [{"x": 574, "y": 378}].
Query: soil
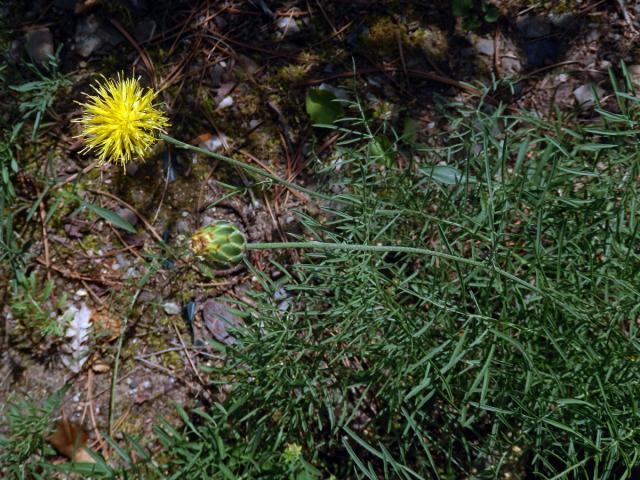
[{"x": 234, "y": 76}]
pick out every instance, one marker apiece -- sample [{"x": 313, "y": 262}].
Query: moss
[
  {"x": 294, "y": 73},
  {"x": 90, "y": 242},
  {"x": 383, "y": 35},
  {"x": 432, "y": 40},
  {"x": 248, "y": 104},
  {"x": 266, "y": 142},
  {"x": 545, "y": 6}
]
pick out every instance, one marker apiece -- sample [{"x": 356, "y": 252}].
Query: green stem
[
  {"x": 388, "y": 248},
  {"x": 245, "y": 166},
  {"x": 116, "y": 363}
]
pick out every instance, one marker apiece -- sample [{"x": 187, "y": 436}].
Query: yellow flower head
[{"x": 120, "y": 121}]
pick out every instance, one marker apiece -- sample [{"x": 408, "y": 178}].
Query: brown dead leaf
[
  {"x": 100, "y": 367},
  {"x": 70, "y": 440},
  {"x": 106, "y": 325}
]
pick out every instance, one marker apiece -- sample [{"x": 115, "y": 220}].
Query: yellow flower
[{"x": 120, "y": 121}]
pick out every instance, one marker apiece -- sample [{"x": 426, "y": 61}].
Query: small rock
[
  {"x": 562, "y": 20},
  {"x": 110, "y": 35},
  {"x": 128, "y": 215},
  {"x": 511, "y": 66},
  {"x": 539, "y": 46},
  {"x": 214, "y": 143},
  {"x": 216, "y": 75},
  {"x": 280, "y": 294},
  {"x": 100, "y": 367},
  {"x": 217, "y": 318},
  {"x": 534, "y": 27},
  {"x": 39, "y": 45},
  {"x": 87, "y": 37},
  {"x": 248, "y": 65},
  {"x": 586, "y": 95},
  {"x": 183, "y": 227},
  {"x": 634, "y": 74},
  {"x": 593, "y": 36},
  {"x": 485, "y": 46},
  {"x": 131, "y": 273},
  {"x": 288, "y": 26},
  {"x": 171, "y": 308},
  {"x": 147, "y": 296},
  {"x": 132, "y": 167},
  {"x": 144, "y": 30},
  {"x": 339, "y": 93},
  {"x": 284, "y": 306},
  {"x": 225, "y": 102}
]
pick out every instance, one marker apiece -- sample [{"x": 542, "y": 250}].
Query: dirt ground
[{"x": 233, "y": 78}]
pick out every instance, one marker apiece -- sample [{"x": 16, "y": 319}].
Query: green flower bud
[{"x": 220, "y": 243}]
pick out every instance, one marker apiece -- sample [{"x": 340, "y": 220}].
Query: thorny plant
[
  {"x": 32, "y": 306},
  {"x": 401, "y": 365},
  {"x": 34, "y": 98},
  {"x": 23, "y": 451},
  {"x": 38, "y": 95},
  {"x": 391, "y": 363}
]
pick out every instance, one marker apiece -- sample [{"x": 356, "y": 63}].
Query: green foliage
[
  {"x": 398, "y": 366},
  {"x": 8, "y": 163},
  {"x": 33, "y": 99},
  {"x": 474, "y": 12},
  {"x": 37, "y": 96},
  {"x": 23, "y": 449},
  {"x": 322, "y": 106},
  {"x": 31, "y": 304}
]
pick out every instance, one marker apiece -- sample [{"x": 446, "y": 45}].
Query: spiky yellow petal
[{"x": 120, "y": 121}]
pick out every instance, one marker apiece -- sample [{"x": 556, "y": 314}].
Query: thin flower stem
[
  {"x": 247, "y": 167},
  {"x": 385, "y": 249},
  {"x": 116, "y": 363}
]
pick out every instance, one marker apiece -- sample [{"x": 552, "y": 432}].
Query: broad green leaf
[
  {"x": 461, "y": 8},
  {"x": 491, "y": 13},
  {"x": 322, "y": 106},
  {"x": 410, "y": 131},
  {"x": 110, "y": 217},
  {"x": 381, "y": 150}
]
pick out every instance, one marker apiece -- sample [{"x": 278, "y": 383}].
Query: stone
[
  {"x": 534, "y": 27},
  {"x": 226, "y": 102},
  {"x": 339, "y": 93},
  {"x": 217, "y": 318},
  {"x": 183, "y": 227},
  {"x": 128, "y": 215},
  {"x": 171, "y": 308},
  {"x": 248, "y": 65},
  {"x": 511, "y": 66},
  {"x": 132, "y": 167},
  {"x": 634, "y": 74},
  {"x": 39, "y": 45},
  {"x": 87, "y": 36},
  {"x": 144, "y": 30},
  {"x": 214, "y": 143},
  {"x": 288, "y": 26},
  {"x": 539, "y": 46},
  {"x": 485, "y": 46},
  {"x": 586, "y": 95}
]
